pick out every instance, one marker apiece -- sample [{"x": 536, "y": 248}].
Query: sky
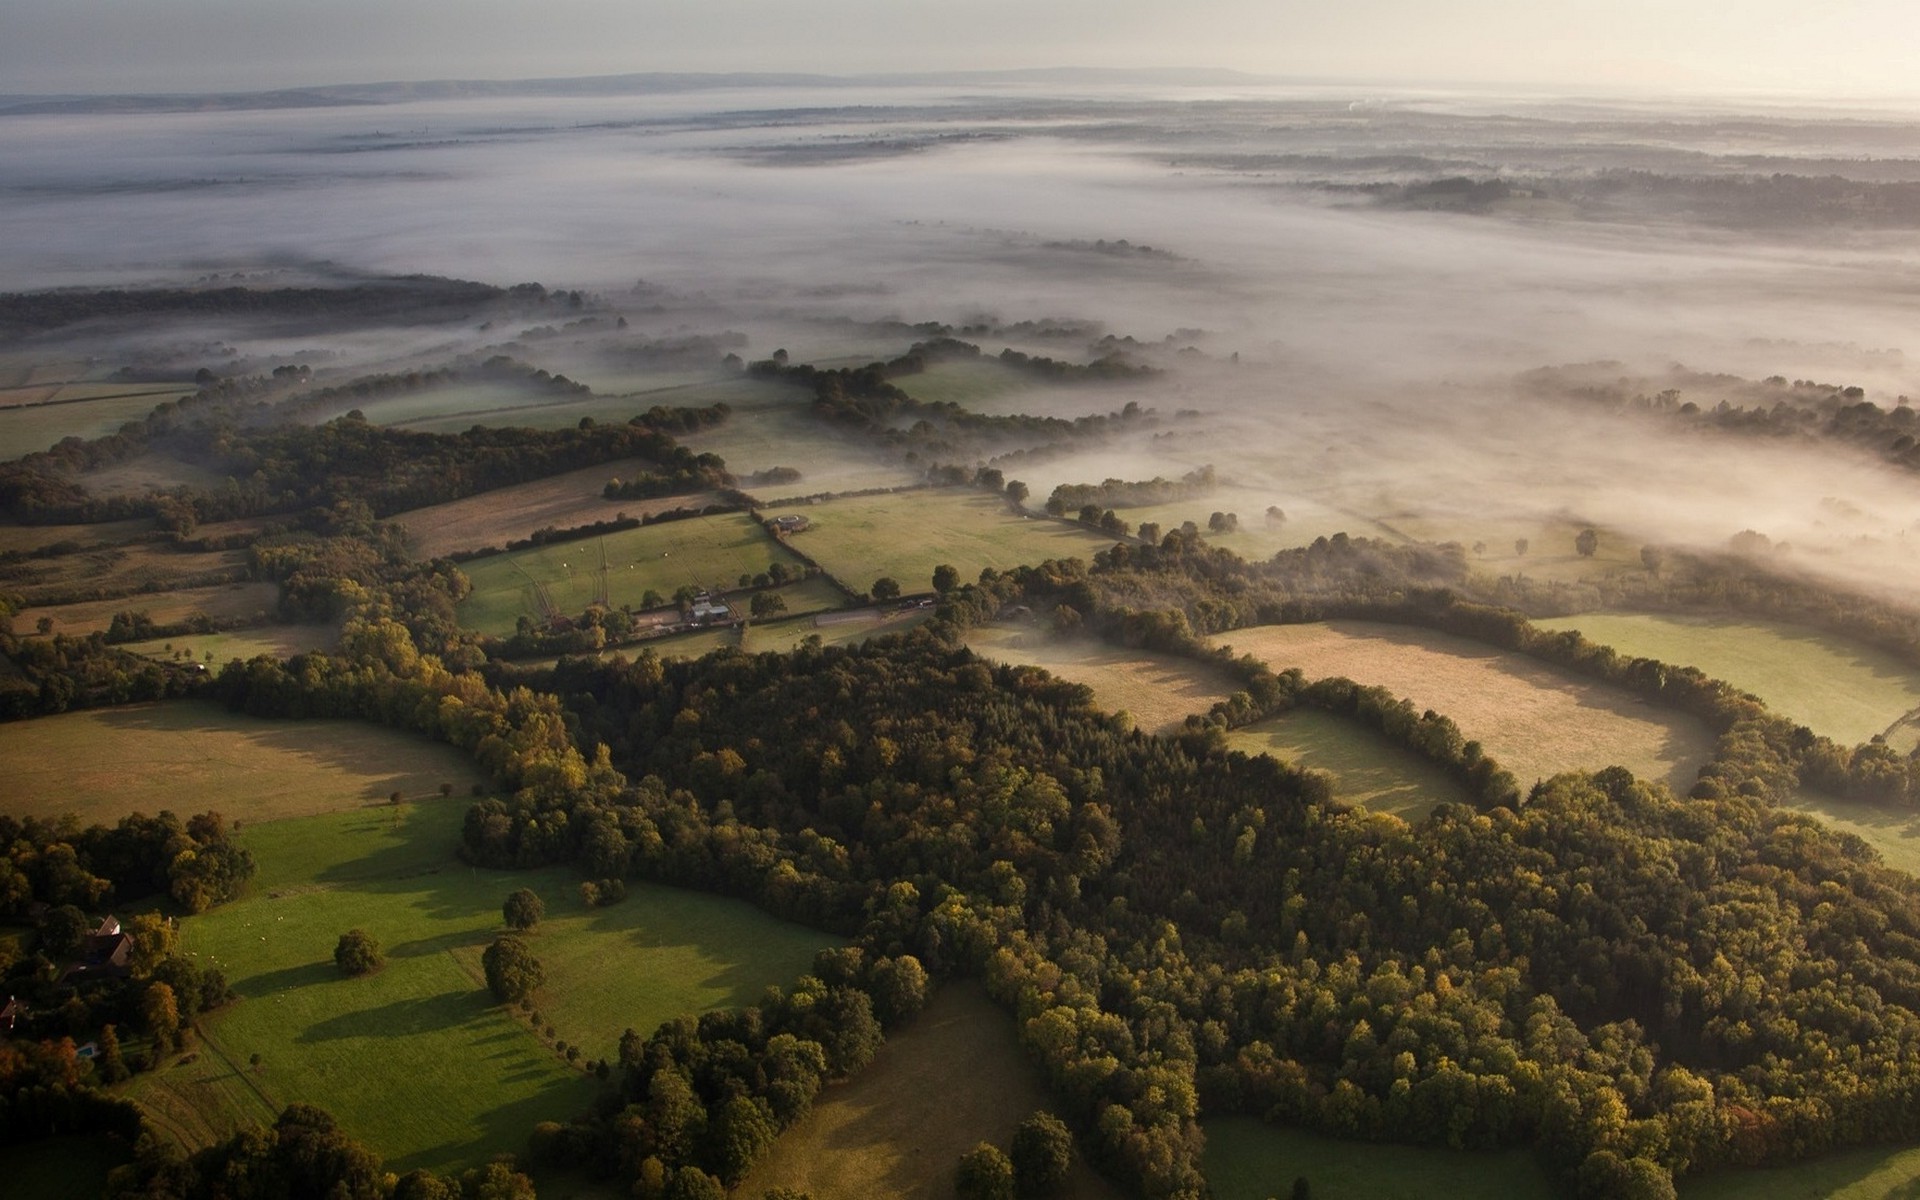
[{"x": 1840, "y": 48}]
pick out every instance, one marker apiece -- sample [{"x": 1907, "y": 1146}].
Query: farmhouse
[
  {"x": 706, "y": 609},
  {"x": 104, "y": 954}
]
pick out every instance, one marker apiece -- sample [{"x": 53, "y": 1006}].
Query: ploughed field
[
  {"x": 1535, "y": 719},
  {"x": 1833, "y": 685}
]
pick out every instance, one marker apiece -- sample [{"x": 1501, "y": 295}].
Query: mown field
[
  {"x": 509, "y": 514},
  {"x": 905, "y": 535},
  {"x": 25, "y": 428},
  {"x": 1367, "y": 769},
  {"x": 951, "y": 1078},
  {"x": 1537, "y": 721},
  {"x": 705, "y": 552},
  {"x": 1247, "y": 1159},
  {"x": 244, "y": 601},
  {"x": 417, "y": 1059},
  {"x": 190, "y": 756},
  {"x": 1831, "y": 684},
  {"x": 775, "y": 427},
  {"x": 1158, "y": 690}
]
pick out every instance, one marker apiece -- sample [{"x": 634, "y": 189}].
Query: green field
[
  {"x": 906, "y": 535},
  {"x": 887, "y": 1132},
  {"x": 1896, "y": 835},
  {"x": 1248, "y": 1159},
  {"x": 26, "y": 428},
  {"x": 775, "y": 427},
  {"x": 189, "y": 756},
  {"x": 417, "y": 1060},
  {"x": 1158, "y": 690},
  {"x": 987, "y": 385},
  {"x": 1833, "y": 685},
  {"x": 504, "y": 405},
  {"x": 1367, "y": 769},
  {"x": 1875, "y": 1173},
  {"x": 281, "y": 641},
  {"x": 706, "y": 552}
]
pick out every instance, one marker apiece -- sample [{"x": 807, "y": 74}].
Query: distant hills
[{"x": 358, "y": 94}]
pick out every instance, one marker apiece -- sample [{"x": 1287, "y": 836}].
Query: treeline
[
  {"x": 1121, "y": 493},
  {"x": 415, "y": 295},
  {"x": 59, "y": 673},
  {"x": 53, "y": 862}
]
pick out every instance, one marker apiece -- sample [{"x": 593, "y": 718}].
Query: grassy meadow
[
  {"x": 775, "y": 427},
  {"x": 1872, "y": 1173},
  {"x": 97, "y": 410},
  {"x": 417, "y": 1059},
  {"x": 707, "y": 552},
  {"x": 1896, "y": 835},
  {"x": 243, "y": 601},
  {"x": 509, "y": 514},
  {"x": 27, "y": 538},
  {"x": 1367, "y": 769},
  {"x": 1831, "y": 684},
  {"x": 217, "y": 649},
  {"x": 1158, "y": 690},
  {"x": 1536, "y": 720},
  {"x": 462, "y": 406},
  {"x": 189, "y": 756},
  {"x": 952, "y": 1077},
  {"x": 906, "y": 535},
  {"x": 1247, "y": 1159}
]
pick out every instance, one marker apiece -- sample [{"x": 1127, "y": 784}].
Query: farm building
[
  {"x": 793, "y": 524},
  {"x": 707, "y": 610}
]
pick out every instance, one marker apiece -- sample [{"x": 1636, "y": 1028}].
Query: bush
[
  {"x": 523, "y": 909},
  {"x": 358, "y": 953}
]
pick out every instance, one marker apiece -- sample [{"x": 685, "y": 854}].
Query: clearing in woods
[
  {"x": 905, "y": 535},
  {"x": 776, "y": 428},
  {"x": 1537, "y": 720},
  {"x": 240, "y": 601},
  {"x": 417, "y": 1059},
  {"x": 1367, "y": 769},
  {"x": 950, "y": 1078},
  {"x": 1247, "y": 1159},
  {"x": 1831, "y": 684},
  {"x": 217, "y": 649},
  {"x": 1158, "y": 690},
  {"x": 191, "y": 755}
]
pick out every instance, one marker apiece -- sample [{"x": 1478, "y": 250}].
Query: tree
[
  {"x": 523, "y": 909},
  {"x": 113, "y": 1067},
  {"x": 160, "y": 1013},
  {"x": 984, "y": 1173},
  {"x": 357, "y": 953},
  {"x": 1651, "y": 557},
  {"x": 1042, "y": 1154},
  {"x": 513, "y": 973},
  {"x": 885, "y": 588},
  {"x": 766, "y": 604},
  {"x": 1017, "y": 493},
  {"x": 1276, "y": 515},
  {"x": 1149, "y": 532},
  {"x": 63, "y": 931},
  {"x": 945, "y": 578},
  {"x": 1520, "y": 547},
  {"x": 1586, "y": 542}
]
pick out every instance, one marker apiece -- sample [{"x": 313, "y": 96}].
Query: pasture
[
  {"x": 1831, "y": 684},
  {"x": 1870, "y": 1173},
  {"x": 138, "y": 571},
  {"x": 189, "y": 756},
  {"x": 987, "y": 385},
  {"x": 1895, "y": 834},
  {"x": 27, "y": 538},
  {"x": 243, "y": 601},
  {"x": 775, "y": 427},
  {"x": 906, "y": 535},
  {"x": 1157, "y": 690},
  {"x": 417, "y": 1059},
  {"x": 1535, "y": 719},
  {"x": 703, "y": 552},
  {"x": 1257, "y": 537},
  {"x": 1367, "y": 769},
  {"x": 218, "y": 649},
  {"x": 510, "y": 514},
  {"x": 950, "y": 1078},
  {"x": 146, "y": 472},
  {"x": 96, "y": 411},
  {"x": 466, "y": 405},
  {"x": 1247, "y": 1159}
]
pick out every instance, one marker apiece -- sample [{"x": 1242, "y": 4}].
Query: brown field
[
  {"x": 1157, "y": 690},
  {"x": 147, "y": 473},
  {"x": 244, "y": 601},
  {"x": 1536, "y": 720},
  {"x": 950, "y": 1079},
  {"x": 561, "y": 501},
  {"x": 32, "y": 537},
  {"x": 145, "y": 567},
  {"x": 189, "y": 756}
]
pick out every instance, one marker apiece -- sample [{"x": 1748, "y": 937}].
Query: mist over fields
[{"x": 1381, "y": 266}]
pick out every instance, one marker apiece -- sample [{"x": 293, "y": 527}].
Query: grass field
[
  {"x": 145, "y": 473},
  {"x": 560, "y": 502},
  {"x": 61, "y": 1168},
  {"x": 135, "y": 570},
  {"x": 189, "y": 756},
  {"x": 1247, "y": 1159},
  {"x": 775, "y": 427},
  {"x": 1895, "y": 835},
  {"x": 33, "y": 537},
  {"x": 417, "y": 1059},
  {"x": 987, "y": 385},
  {"x": 217, "y": 649},
  {"x": 1835, "y": 686},
  {"x": 241, "y": 600},
  {"x": 1256, "y": 538},
  {"x": 1367, "y": 769},
  {"x": 949, "y": 1079},
  {"x": 702, "y": 551},
  {"x": 458, "y": 409},
  {"x": 1874, "y": 1173},
  {"x": 1536, "y": 720},
  {"x": 24, "y": 429},
  {"x": 907, "y": 534},
  {"x": 1158, "y": 690}
]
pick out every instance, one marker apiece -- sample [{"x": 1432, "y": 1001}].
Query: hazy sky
[{"x": 1831, "y": 47}]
